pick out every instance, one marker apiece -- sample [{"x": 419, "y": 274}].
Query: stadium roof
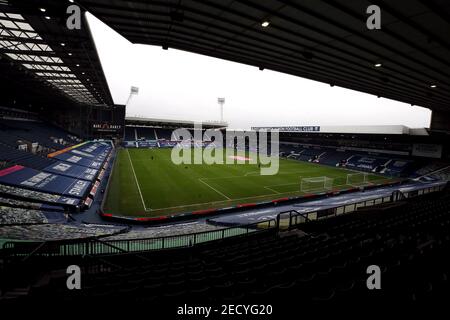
[
  {"x": 407, "y": 60},
  {"x": 381, "y": 129},
  {"x": 39, "y": 52},
  {"x": 138, "y": 121}
]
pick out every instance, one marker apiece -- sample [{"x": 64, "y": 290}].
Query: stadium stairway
[{"x": 325, "y": 262}]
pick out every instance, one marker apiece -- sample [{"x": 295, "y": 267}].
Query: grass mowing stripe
[{"x": 137, "y": 182}]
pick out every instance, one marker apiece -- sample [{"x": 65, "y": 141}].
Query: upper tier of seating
[
  {"x": 164, "y": 133},
  {"x": 130, "y": 134},
  {"x": 49, "y": 136},
  {"x": 145, "y": 133},
  {"x": 14, "y": 156}
]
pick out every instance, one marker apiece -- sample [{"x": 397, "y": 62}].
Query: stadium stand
[
  {"x": 163, "y": 133},
  {"x": 59, "y": 129},
  {"x": 29, "y": 205},
  {"x": 145, "y": 133},
  {"x": 356, "y": 160},
  {"x": 309, "y": 154},
  {"x": 396, "y": 167},
  {"x": 16, "y": 216},
  {"x": 43, "y": 197},
  {"x": 52, "y": 232},
  {"x": 33, "y": 131},
  {"x": 323, "y": 261},
  {"x": 163, "y": 231},
  {"x": 430, "y": 168},
  {"x": 334, "y": 157},
  {"x": 17, "y": 114},
  {"x": 130, "y": 134},
  {"x": 443, "y": 174},
  {"x": 366, "y": 163},
  {"x": 14, "y": 156}
]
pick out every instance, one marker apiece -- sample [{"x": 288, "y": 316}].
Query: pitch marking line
[
  {"x": 200, "y": 179},
  {"x": 295, "y": 193},
  {"x": 270, "y": 189},
  {"x": 280, "y": 185},
  {"x": 256, "y": 174},
  {"x": 137, "y": 183}
]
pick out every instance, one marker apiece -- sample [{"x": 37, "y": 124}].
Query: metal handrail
[
  {"x": 169, "y": 242},
  {"x": 187, "y": 240},
  {"x": 34, "y": 251}
]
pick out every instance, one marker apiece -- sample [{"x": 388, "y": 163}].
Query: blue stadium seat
[
  {"x": 26, "y": 159},
  {"x": 145, "y": 133}
]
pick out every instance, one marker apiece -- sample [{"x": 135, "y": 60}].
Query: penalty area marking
[
  {"x": 237, "y": 199},
  {"x": 268, "y": 188},
  {"x": 282, "y": 173},
  {"x": 280, "y": 185},
  {"x": 137, "y": 183},
  {"x": 200, "y": 179}
]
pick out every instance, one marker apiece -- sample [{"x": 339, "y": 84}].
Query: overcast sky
[{"x": 179, "y": 85}]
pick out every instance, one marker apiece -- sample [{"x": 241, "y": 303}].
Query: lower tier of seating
[
  {"x": 54, "y": 232},
  {"x": 17, "y": 216},
  {"x": 325, "y": 261}
]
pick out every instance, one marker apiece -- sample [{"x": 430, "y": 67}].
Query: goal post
[
  {"x": 316, "y": 184},
  {"x": 358, "y": 179}
]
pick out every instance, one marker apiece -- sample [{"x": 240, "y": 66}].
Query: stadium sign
[
  {"x": 290, "y": 129},
  {"x": 106, "y": 127},
  {"x": 427, "y": 150},
  {"x": 81, "y": 161},
  {"x": 22, "y": 177},
  {"x": 72, "y": 171}
]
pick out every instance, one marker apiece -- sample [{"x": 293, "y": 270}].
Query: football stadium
[
  {"x": 197, "y": 219},
  {"x": 213, "y": 186}
]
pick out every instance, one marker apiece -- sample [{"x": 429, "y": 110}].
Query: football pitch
[{"x": 146, "y": 183}]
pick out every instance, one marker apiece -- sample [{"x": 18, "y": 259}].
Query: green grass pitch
[{"x": 145, "y": 183}]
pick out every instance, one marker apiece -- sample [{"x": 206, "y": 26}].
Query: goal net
[
  {"x": 316, "y": 184},
  {"x": 358, "y": 179}
]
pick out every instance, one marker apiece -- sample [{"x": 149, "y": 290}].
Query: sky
[{"x": 180, "y": 85}]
